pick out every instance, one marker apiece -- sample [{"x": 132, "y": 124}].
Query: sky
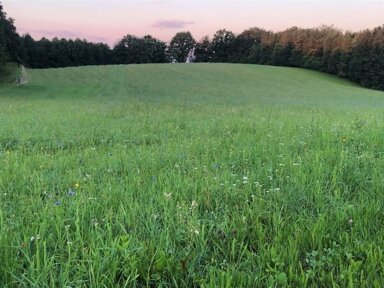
[{"x": 109, "y": 20}]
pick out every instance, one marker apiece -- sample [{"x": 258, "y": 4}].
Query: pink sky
[{"x": 108, "y": 20}]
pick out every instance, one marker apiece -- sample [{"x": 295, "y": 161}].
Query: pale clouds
[{"x": 172, "y": 24}]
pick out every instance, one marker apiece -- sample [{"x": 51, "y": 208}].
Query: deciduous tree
[{"x": 180, "y": 46}]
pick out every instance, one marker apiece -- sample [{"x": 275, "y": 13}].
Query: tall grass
[{"x": 190, "y": 175}]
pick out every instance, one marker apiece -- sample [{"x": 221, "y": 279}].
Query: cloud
[{"x": 172, "y": 24}]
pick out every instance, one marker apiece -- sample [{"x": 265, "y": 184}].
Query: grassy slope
[{"x": 277, "y": 160}]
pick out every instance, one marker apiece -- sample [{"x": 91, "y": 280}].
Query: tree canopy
[
  {"x": 180, "y": 45},
  {"x": 10, "y": 46}
]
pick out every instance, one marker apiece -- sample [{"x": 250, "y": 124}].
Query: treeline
[
  {"x": 55, "y": 53},
  {"x": 10, "y": 43},
  {"x": 130, "y": 49},
  {"x": 357, "y": 56}
]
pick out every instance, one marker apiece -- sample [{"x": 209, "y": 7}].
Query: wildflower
[
  {"x": 296, "y": 164},
  {"x": 57, "y": 202},
  {"x": 69, "y": 243},
  {"x": 350, "y": 221},
  {"x": 71, "y": 192},
  {"x": 193, "y": 205},
  {"x": 167, "y": 195},
  {"x": 154, "y": 178},
  {"x": 35, "y": 238},
  {"x": 95, "y": 222},
  {"x": 67, "y": 227},
  {"x": 86, "y": 177},
  {"x": 195, "y": 231},
  {"x": 77, "y": 185}
]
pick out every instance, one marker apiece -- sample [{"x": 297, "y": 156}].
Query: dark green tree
[
  {"x": 242, "y": 45},
  {"x": 154, "y": 50},
  {"x": 203, "y": 50},
  {"x": 221, "y": 45},
  {"x": 281, "y": 54},
  {"x": 10, "y": 43},
  {"x": 132, "y": 49},
  {"x": 180, "y": 46}
]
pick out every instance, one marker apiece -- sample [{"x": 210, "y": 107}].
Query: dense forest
[{"x": 356, "y": 56}]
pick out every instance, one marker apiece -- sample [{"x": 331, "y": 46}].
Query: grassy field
[{"x": 198, "y": 175}]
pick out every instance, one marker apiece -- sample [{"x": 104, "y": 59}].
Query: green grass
[
  {"x": 190, "y": 175},
  {"x": 8, "y": 72}
]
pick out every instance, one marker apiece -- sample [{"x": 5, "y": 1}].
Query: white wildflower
[
  {"x": 193, "y": 205},
  {"x": 35, "y": 238},
  {"x": 167, "y": 195},
  {"x": 195, "y": 231}
]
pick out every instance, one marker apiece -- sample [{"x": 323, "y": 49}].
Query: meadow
[{"x": 203, "y": 175}]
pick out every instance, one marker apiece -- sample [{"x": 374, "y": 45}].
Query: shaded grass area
[
  {"x": 8, "y": 73},
  {"x": 190, "y": 175}
]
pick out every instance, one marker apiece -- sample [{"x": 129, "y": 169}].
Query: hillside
[{"x": 225, "y": 84}]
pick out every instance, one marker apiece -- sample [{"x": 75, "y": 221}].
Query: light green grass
[{"x": 210, "y": 175}]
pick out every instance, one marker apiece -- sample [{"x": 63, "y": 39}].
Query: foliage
[
  {"x": 10, "y": 48},
  {"x": 221, "y": 45},
  {"x": 203, "y": 50},
  {"x": 180, "y": 46},
  {"x": 134, "y": 50},
  {"x": 63, "y": 53}
]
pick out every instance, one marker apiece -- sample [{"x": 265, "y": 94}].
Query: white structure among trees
[
  {"x": 22, "y": 76},
  {"x": 191, "y": 56}
]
